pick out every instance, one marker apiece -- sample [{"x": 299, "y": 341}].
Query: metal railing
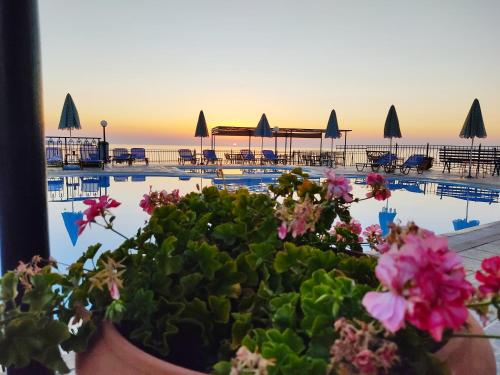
[
  {"x": 353, "y": 153},
  {"x": 71, "y": 145},
  {"x": 357, "y": 153}
]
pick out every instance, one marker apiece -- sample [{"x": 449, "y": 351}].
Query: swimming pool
[{"x": 440, "y": 206}]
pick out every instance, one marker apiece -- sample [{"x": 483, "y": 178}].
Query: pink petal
[{"x": 388, "y": 308}]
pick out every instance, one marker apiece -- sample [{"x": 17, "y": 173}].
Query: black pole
[
  {"x": 104, "y": 134},
  {"x": 23, "y": 197},
  {"x": 345, "y": 146}
]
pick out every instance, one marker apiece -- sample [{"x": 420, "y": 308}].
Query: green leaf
[
  {"x": 229, "y": 233},
  {"x": 9, "y": 286},
  {"x": 79, "y": 342},
  {"x": 115, "y": 311},
  {"x": 220, "y": 307},
  {"x": 92, "y": 251},
  {"x": 168, "y": 245},
  {"x": 190, "y": 282},
  {"x": 222, "y": 368},
  {"x": 41, "y": 294}
]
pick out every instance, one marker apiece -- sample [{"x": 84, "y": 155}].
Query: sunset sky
[{"x": 148, "y": 67}]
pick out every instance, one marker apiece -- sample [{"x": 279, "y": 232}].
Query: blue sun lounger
[
  {"x": 121, "y": 155},
  {"x": 270, "y": 157},
  {"x": 53, "y": 156},
  {"x": 138, "y": 154},
  {"x": 185, "y": 155},
  {"x": 247, "y": 156},
  {"x": 89, "y": 157},
  {"x": 413, "y": 162},
  {"x": 209, "y": 156}
]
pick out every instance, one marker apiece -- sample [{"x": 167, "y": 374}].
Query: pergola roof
[{"x": 246, "y": 131}]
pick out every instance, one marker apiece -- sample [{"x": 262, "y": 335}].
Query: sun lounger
[
  {"x": 209, "y": 156},
  {"x": 413, "y": 162},
  {"x": 377, "y": 159},
  {"x": 54, "y": 156},
  {"x": 55, "y": 184},
  {"x": 89, "y": 157},
  {"x": 247, "y": 156},
  {"x": 90, "y": 184},
  {"x": 121, "y": 155},
  {"x": 268, "y": 156},
  {"x": 185, "y": 155},
  {"x": 138, "y": 154}
]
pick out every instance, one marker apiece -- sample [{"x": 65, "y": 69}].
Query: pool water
[{"x": 441, "y": 207}]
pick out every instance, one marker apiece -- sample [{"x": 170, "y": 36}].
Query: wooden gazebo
[{"x": 288, "y": 133}]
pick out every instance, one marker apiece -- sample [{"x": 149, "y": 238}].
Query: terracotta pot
[
  {"x": 468, "y": 356},
  {"x": 110, "y": 353}
]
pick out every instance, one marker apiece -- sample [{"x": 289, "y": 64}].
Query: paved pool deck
[
  {"x": 473, "y": 244},
  {"x": 210, "y": 171}
]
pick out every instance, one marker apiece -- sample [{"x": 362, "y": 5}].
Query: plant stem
[
  {"x": 475, "y": 336},
  {"x": 479, "y": 304}
]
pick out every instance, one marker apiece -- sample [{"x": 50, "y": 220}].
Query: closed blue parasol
[
  {"x": 263, "y": 129},
  {"x": 473, "y": 127},
  {"x": 391, "y": 127},
  {"x": 465, "y": 223},
  {"x": 69, "y": 115},
  {"x": 201, "y": 130},
  {"x": 332, "y": 128},
  {"x": 385, "y": 218},
  {"x": 70, "y": 219}
]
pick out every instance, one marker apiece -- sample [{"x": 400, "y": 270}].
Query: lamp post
[
  {"x": 104, "y": 147},
  {"x": 276, "y": 130},
  {"x": 104, "y": 123}
]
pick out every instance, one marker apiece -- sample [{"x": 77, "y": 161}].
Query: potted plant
[{"x": 245, "y": 283}]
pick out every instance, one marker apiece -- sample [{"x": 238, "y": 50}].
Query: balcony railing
[{"x": 71, "y": 145}]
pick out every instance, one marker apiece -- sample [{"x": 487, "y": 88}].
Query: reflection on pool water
[{"x": 439, "y": 206}]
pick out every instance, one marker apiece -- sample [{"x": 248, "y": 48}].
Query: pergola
[{"x": 288, "y": 133}]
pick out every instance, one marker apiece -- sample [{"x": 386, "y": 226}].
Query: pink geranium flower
[
  {"x": 301, "y": 220},
  {"x": 282, "y": 231},
  {"x": 378, "y": 185},
  {"x": 424, "y": 284},
  {"x": 489, "y": 276},
  {"x": 375, "y": 179},
  {"x": 114, "y": 292},
  {"x": 354, "y": 226},
  {"x": 158, "y": 199},
  {"x": 97, "y": 207},
  {"x": 337, "y": 186},
  {"x": 373, "y": 235}
]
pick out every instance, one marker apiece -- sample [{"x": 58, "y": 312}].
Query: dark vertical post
[
  {"x": 427, "y": 150},
  {"x": 291, "y": 136},
  {"x": 345, "y": 146},
  {"x": 276, "y": 143},
  {"x": 23, "y": 197}
]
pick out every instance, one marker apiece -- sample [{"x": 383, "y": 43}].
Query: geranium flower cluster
[
  {"x": 362, "y": 349},
  {"x": 489, "y": 277},
  {"x": 303, "y": 218},
  {"x": 378, "y": 189},
  {"x": 424, "y": 284},
  {"x": 340, "y": 227},
  {"x": 111, "y": 276},
  {"x": 247, "y": 362},
  {"x": 158, "y": 199},
  {"x": 373, "y": 235},
  {"x": 24, "y": 271},
  {"x": 337, "y": 186},
  {"x": 97, "y": 207}
]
